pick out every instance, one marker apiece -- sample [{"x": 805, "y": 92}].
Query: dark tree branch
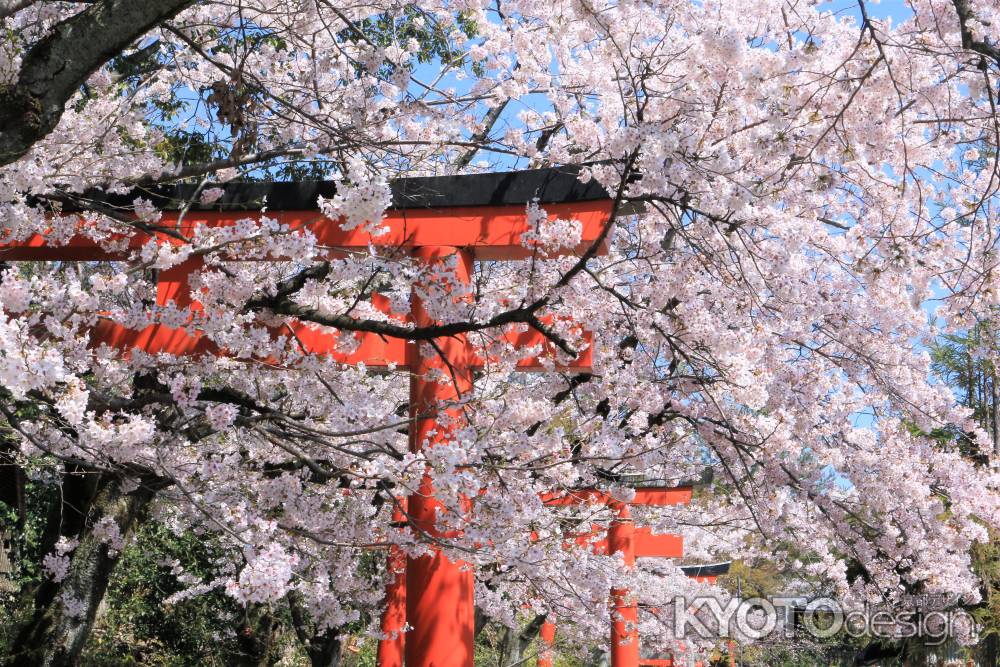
[
  {"x": 346, "y": 323},
  {"x": 480, "y": 137},
  {"x": 55, "y": 68},
  {"x": 968, "y": 42},
  {"x": 11, "y": 7}
]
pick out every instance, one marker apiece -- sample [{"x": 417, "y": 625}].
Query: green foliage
[
  {"x": 436, "y": 40},
  {"x": 965, "y": 362},
  {"x": 184, "y": 147},
  {"x": 986, "y": 564},
  {"x": 136, "y": 626},
  {"x": 26, "y": 537}
]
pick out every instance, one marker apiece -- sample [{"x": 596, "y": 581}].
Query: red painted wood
[
  {"x": 439, "y": 603},
  {"x": 658, "y": 545},
  {"x": 373, "y": 350},
  {"x": 547, "y": 634},
  {"x": 493, "y": 231},
  {"x": 624, "y": 610},
  {"x": 391, "y": 648},
  {"x": 647, "y": 543}
]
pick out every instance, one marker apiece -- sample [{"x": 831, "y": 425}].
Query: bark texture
[
  {"x": 55, "y": 68},
  {"x": 56, "y": 632}
]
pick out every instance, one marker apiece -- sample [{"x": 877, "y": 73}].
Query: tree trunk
[
  {"x": 256, "y": 637},
  {"x": 64, "y": 612},
  {"x": 970, "y": 378},
  {"x": 481, "y": 619},
  {"x": 598, "y": 658},
  {"x": 990, "y": 653},
  {"x": 55, "y": 68},
  {"x": 324, "y": 650},
  {"x": 515, "y": 643},
  {"x": 12, "y": 494},
  {"x": 995, "y": 411}
]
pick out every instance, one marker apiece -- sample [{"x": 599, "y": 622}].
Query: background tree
[{"x": 968, "y": 363}]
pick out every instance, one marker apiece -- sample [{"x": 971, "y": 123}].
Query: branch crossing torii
[{"x": 435, "y": 219}]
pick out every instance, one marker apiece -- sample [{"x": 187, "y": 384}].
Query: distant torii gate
[
  {"x": 700, "y": 573},
  {"x": 660, "y": 546},
  {"x": 465, "y": 217},
  {"x": 643, "y": 543},
  {"x": 632, "y": 543},
  {"x": 622, "y": 537}
]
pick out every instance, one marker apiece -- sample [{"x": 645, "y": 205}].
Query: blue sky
[{"x": 896, "y": 10}]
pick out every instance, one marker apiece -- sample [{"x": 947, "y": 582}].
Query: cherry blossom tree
[{"x": 794, "y": 188}]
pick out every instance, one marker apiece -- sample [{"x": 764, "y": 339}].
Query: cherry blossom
[{"x": 795, "y": 190}]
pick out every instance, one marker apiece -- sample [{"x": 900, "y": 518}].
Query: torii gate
[
  {"x": 622, "y": 536},
  {"x": 647, "y": 545},
  {"x": 632, "y": 543},
  {"x": 644, "y": 543},
  {"x": 700, "y": 573},
  {"x": 466, "y": 217}
]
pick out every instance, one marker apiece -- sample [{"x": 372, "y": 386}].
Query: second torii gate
[
  {"x": 700, "y": 573},
  {"x": 434, "y": 219},
  {"x": 623, "y": 537},
  {"x": 644, "y": 544}
]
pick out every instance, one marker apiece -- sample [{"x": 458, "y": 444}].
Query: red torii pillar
[
  {"x": 548, "y": 636},
  {"x": 439, "y": 605},
  {"x": 624, "y": 608},
  {"x": 390, "y": 649},
  {"x": 439, "y": 592}
]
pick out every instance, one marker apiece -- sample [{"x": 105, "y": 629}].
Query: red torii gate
[
  {"x": 634, "y": 543},
  {"x": 647, "y": 545},
  {"x": 621, "y": 537},
  {"x": 436, "y": 218},
  {"x": 644, "y": 544}
]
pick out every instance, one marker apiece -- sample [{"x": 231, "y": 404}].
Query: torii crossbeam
[{"x": 478, "y": 217}]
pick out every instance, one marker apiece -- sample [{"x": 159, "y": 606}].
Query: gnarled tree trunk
[
  {"x": 64, "y": 612},
  {"x": 516, "y": 642}
]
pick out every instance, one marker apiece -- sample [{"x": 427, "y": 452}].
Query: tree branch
[
  {"x": 11, "y": 7},
  {"x": 968, "y": 42},
  {"x": 54, "y": 69},
  {"x": 480, "y": 137}
]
